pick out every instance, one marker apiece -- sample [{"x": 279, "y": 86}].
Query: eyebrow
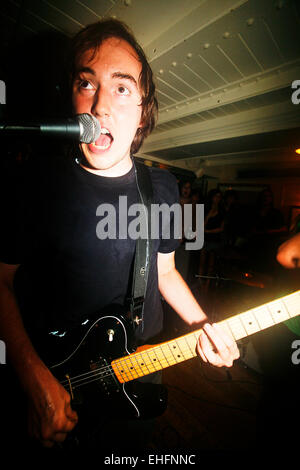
[
  {"x": 86, "y": 70},
  {"x": 124, "y": 76}
]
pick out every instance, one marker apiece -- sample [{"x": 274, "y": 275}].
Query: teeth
[{"x": 102, "y": 147}]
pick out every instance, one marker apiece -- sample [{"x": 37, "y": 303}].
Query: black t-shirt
[{"x": 67, "y": 272}]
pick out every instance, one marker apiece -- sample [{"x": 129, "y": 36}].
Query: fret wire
[
  {"x": 226, "y": 322},
  {"x": 185, "y": 351},
  {"x": 250, "y": 322},
  {"x": 144, "y": 362},
  {"x": 162, "y": 349},
  {"x": 240, "y": 324},
  {"x": 189, "y": 348},
  {"x": 191, "y": 338},
  {"x": 124, "y": 367},
  {"x": 281, "y": 310},
  {"x": 133, "y": 357},
  {"x": 292, "y": 299},
  {"x": 236, "y": 321},
  {"x": 172, "y": 354},
  {"x": 240, "y": 327},
  {"x": 257, "y": 319},
  {"x": 124, "y": 374},
  {"x": 196, "y": 337},
  {"x": 287, "y": 309},
  {"x": 138, "y": 366},
  {"x": 130, "y": 357},
  {"x": 144, "y": 368},
  {"x": 265, "y": 317},
  {"x": 159, "y": 361},
  {"x": 116, "y": 363},
  {"x": 138, "y": 363},
  {"x": 271, "y": 314},
  {"x": 151, "y": 362},
  {"x": 180, "y": 350},
  {"x": 166, "y": 356}
]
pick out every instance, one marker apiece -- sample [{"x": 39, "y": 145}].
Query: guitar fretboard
[{"x": 183, "y": 348}]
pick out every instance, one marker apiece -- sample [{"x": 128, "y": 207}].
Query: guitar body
[
  {"x": 80, "y": 359},
  {"x": 99, "y": 366}
]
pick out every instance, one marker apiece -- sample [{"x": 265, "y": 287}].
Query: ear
[{"x": 141, "y": 125}]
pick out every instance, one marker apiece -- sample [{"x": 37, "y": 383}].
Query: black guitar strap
[{"x": 143, "y": 246}]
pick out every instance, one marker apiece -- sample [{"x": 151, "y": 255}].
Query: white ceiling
[{"x": 223, "y": 71}]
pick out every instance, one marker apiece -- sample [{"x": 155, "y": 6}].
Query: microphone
[{"x": 83, "y": 127}]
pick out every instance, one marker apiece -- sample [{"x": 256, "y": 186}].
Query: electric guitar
[{"x": 96, "y": 361}]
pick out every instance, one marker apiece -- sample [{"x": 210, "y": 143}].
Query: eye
[
  {"x": 122, "y": 90},
  {"x": 85, "y": 85}
]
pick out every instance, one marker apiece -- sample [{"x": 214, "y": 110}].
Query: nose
[{"x": 101, "y": 104}]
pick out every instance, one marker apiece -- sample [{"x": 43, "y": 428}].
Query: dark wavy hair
[{"x": 90, "y": 39}]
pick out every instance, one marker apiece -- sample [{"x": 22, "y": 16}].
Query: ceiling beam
[
  {"x": 263, "y": 119},
  {"x": 249, "y": 87}
]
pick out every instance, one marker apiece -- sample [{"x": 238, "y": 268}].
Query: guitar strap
[{"x": 143, "y": 245}]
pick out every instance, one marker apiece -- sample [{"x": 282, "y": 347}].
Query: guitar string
[
  {"x": 139, "y": 356},
  {"x": 94, "y": 377},
  {"x": 87, "y": 382},
  {"x": 109, "y": 368},
  {"x": 97, "y": 372}
]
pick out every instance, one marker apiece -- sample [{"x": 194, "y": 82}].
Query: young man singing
[{"x": 55, "y": 272}]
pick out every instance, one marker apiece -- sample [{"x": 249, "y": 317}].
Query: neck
[{"x": 119, "y": 169}]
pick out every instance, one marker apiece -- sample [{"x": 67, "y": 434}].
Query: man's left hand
[{"x": 216, "y": 347}]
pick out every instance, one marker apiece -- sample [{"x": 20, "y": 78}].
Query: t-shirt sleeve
[{"x": 166, "y": 199}]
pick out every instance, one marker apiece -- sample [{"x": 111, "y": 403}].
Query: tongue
[{"x": 103, "y": 140}]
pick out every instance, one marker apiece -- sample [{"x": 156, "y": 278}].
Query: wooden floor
[
  {"x": 216, "y": 408},
  {"x": 209, "y": 408}
]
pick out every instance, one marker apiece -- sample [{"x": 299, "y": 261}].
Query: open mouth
[{"x": 104, "y": 141}]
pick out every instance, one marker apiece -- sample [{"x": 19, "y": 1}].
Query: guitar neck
[{"x": 183, "y": 348}]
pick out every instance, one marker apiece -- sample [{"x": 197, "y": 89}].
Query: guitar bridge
[{"x": 70, "y": 386}]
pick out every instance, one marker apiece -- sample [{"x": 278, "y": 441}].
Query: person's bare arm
[
  {"x": 177, "y": 293},
  {"x": 50, "y": 414}
]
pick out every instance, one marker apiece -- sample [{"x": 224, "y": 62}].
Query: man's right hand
[
  {"x": 288, "y": 253},
  {"x": 50, "y": 416}
]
